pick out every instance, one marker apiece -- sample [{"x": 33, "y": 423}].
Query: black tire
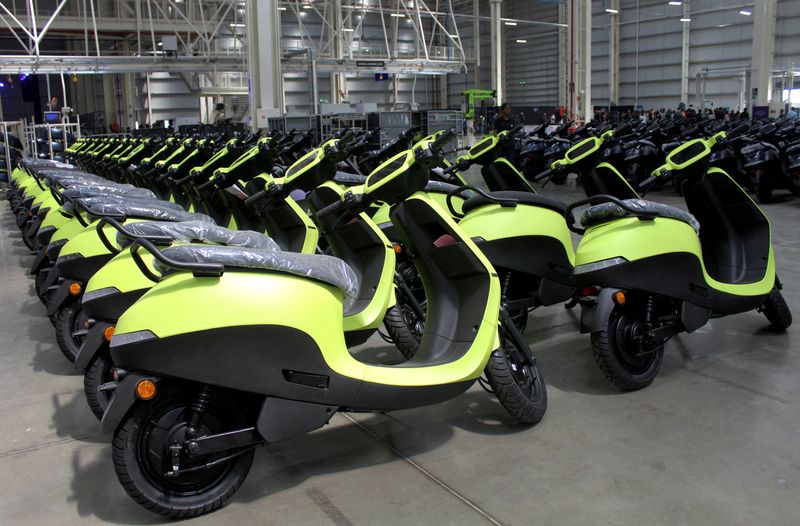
[
  {"x": 141, "y": 458},
  {"x": 517, "y": 384},
  {"x": 70, "y": 318},
  {"x": 30, "y": 241},
  {"x": 99, "y": 372},
  {"x": 777, "y": 311},
  {"x": 559, "y": 178},
  {"x": 763, "y": 189},
  {"x": 404, "y": 337},
  {"x": 38, "y": 284},
  {"x": 624, "y": 366}
]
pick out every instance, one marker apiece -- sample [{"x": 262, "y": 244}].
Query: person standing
[{"x": 502, "y": 123}]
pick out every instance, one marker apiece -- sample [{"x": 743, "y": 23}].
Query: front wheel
[
  {"x": 777, "y": 311},
  {"x": 404, "y": 328},
  {"x": 517, "y": 383},
  {"x": 99, "y": 372},
  {"x": 627, "y": 360},
  {"x": 70, "y": 329},
  {"x": 143, "y": 458}
]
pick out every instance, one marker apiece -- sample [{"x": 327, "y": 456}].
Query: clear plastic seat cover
[
  {"x": 348, "y": 178},
  {"x": 327, "y": 269},
  {"x": 605, "y": 212},
  {"x": 143, "y": 210},
  {"x": 191, "y": 231},
  {"x": 69, "y": 206},
  {"x": 90, "y": 190}
]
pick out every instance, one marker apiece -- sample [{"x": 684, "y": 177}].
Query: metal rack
[
  {"x": 391, "y": 123},
  {"x": 64, "y": 127},
  {"x": 436, "y": 120},
  {"x": 337, "y": 122},
  {"x": 18, "y": 128}
]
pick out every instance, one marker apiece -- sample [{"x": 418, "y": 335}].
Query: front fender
[
  {"x": 594, "y": 315},
  {"x": 122, "y": 402},
  {"x": 60, "y": 297},
  {"x": 93, "y": 344}
]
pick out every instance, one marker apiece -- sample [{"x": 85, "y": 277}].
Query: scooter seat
[
  {"x": 143, "y": 210},
  {"x": 349, "y": 179},
  {"x": 525, "y": 198},
  {"x": 191, "y": 231},
  {"x": 606, "y": 212},
  {"x": 327, "y": 269},
  {"x": 91, "y": 190}
]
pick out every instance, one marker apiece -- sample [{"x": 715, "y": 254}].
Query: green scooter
[{"x": 657, "y": 271}]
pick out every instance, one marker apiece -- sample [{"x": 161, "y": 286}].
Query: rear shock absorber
[{"x": 196, "y": 410}]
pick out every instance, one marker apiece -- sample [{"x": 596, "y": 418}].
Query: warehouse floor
[{"x": 715, "y": 440}]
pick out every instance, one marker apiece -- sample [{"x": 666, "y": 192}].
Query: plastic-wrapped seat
[
  {"x": 69, "y": 206},
  {"x": 198, "y": 231},
  {"x": 143, "y": 210},
  {"x": 326, "y": 269},
  {"x": 606, "y": 212},
  {"x": 91, "y": 190},
  {"x": 525, "y": 198}
]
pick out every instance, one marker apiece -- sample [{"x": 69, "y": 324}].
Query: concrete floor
[{"x": 715, "y": 440}]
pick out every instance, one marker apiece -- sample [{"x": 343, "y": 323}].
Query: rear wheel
[
  {"x": 777, "y": 311},
  {"x": 70, "y": 329},
  {"x": 517, "y": 383},
  {"x": 143, "y": 456},
  {"x": 99, "y": 372},
  {"x": 38, "y": 283},
  {"x": 404, "y": 328},
  {"x": 626, "y": 359}
]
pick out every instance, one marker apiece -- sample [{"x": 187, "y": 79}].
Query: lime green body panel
[
  {"x": 87, "y": 243},
  {"x": 45, "y": 197},
  {"x": 381, "y": 215},
  {"x": 232, "y": 224},
  {"x": 619, "y": 175},
  {"x": 312, "y": 234},
  {"x": 634, "y": 239},
  {"x": 17, "y": 174},
  {"x": 493, "y": 222},
  {"x": 55, "y": 218},
  {"x": 68, "y": 230},
  {"x": 122, "y": 273}
]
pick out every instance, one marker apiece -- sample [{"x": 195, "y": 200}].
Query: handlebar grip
[
  {"x": 206, "y": 185},
  {"x": 346, "y": 138},
  {"x": 330, "y": 209},
  {"x": 443, "y": 139},
  {"x": 256, "y": 197},
  {"x": 516, "y": 129},
  {"x": 543, "y": 175},
  {"x": 647, "y": 182},
  {"x": 743, "y": 127},
  {"x": 622, "y": 128}
]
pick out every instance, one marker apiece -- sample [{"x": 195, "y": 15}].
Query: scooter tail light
[{"x": 590, "y": 291}]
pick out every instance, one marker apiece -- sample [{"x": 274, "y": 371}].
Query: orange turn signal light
[
  {"x": 75, "y": 288},
  {"x": 108, "y": 333},
  {"x": 146, "y": 389},
  {"x": 619, "y": 297},
  {"x": 398, "y": 249}
]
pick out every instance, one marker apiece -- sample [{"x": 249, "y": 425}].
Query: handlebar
[
  {"x": 346, "y": 138},
  {"x": 737, "y": 130},
  {"x": 547, "y": 173},
  {"x": 443, "y": 139},
  {"x": 206, "y": 185},
  {"x": 622, "y": 128},
  {"x": 198, "y": 269},
  {"x": 256, "y": 197},
  {"x": 330, "y": 209}
]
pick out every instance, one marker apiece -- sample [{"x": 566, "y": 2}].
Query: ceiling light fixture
[
  {"x": 521, "y": 41},
  {"x": 348, "y": 29},
  {"x": 398, "y": 15},
  {"x": 686, "y": 19},
  {"x": 612, "y": 11},
  {"x": 510, "y": 23},
  {"x": 745, "y": 12},
  {"x": 675, "y": 3}
]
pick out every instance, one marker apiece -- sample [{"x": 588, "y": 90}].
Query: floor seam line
[
  {"x": 426, "y": 473},
  {"x": 42, "y": 446}
]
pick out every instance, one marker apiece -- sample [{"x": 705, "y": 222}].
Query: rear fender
[
  {"x": 123, "y": 400},
  {"x": 594, "y": 314}
]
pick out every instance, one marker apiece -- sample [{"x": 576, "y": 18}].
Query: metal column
[
  {"x": 763, "y": 48},
  {"x": 264, "y": 61},
  {"x": 587, "y": 73},
  {"x": 685, "y": 55},
  {"x": 613, "y": 56},
  {"x": 496, "y": 13}
]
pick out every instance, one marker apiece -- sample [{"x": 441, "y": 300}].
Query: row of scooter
[
  {"x": 763, "y": 159},
  {"x": 211, "y": 289}
]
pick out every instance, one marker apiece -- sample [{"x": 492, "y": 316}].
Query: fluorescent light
[
  {"x": 521, "y": 41},
  {"x": 306, "y": 6},
  {"x": 675, "y": 3},
  {"x": 745, "y": 12},
  {"x": 281, "y": 9},
  {"x": 612, "y": 11},
  {"x": 397, "y": 15},
  {"x": 510, "y": 23},
  {"x": 237, "y": 25},
  {"x": 348, "y": 29},
  {"x": 686, "y": 19},
  {"x": 160, "y": 44}
]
